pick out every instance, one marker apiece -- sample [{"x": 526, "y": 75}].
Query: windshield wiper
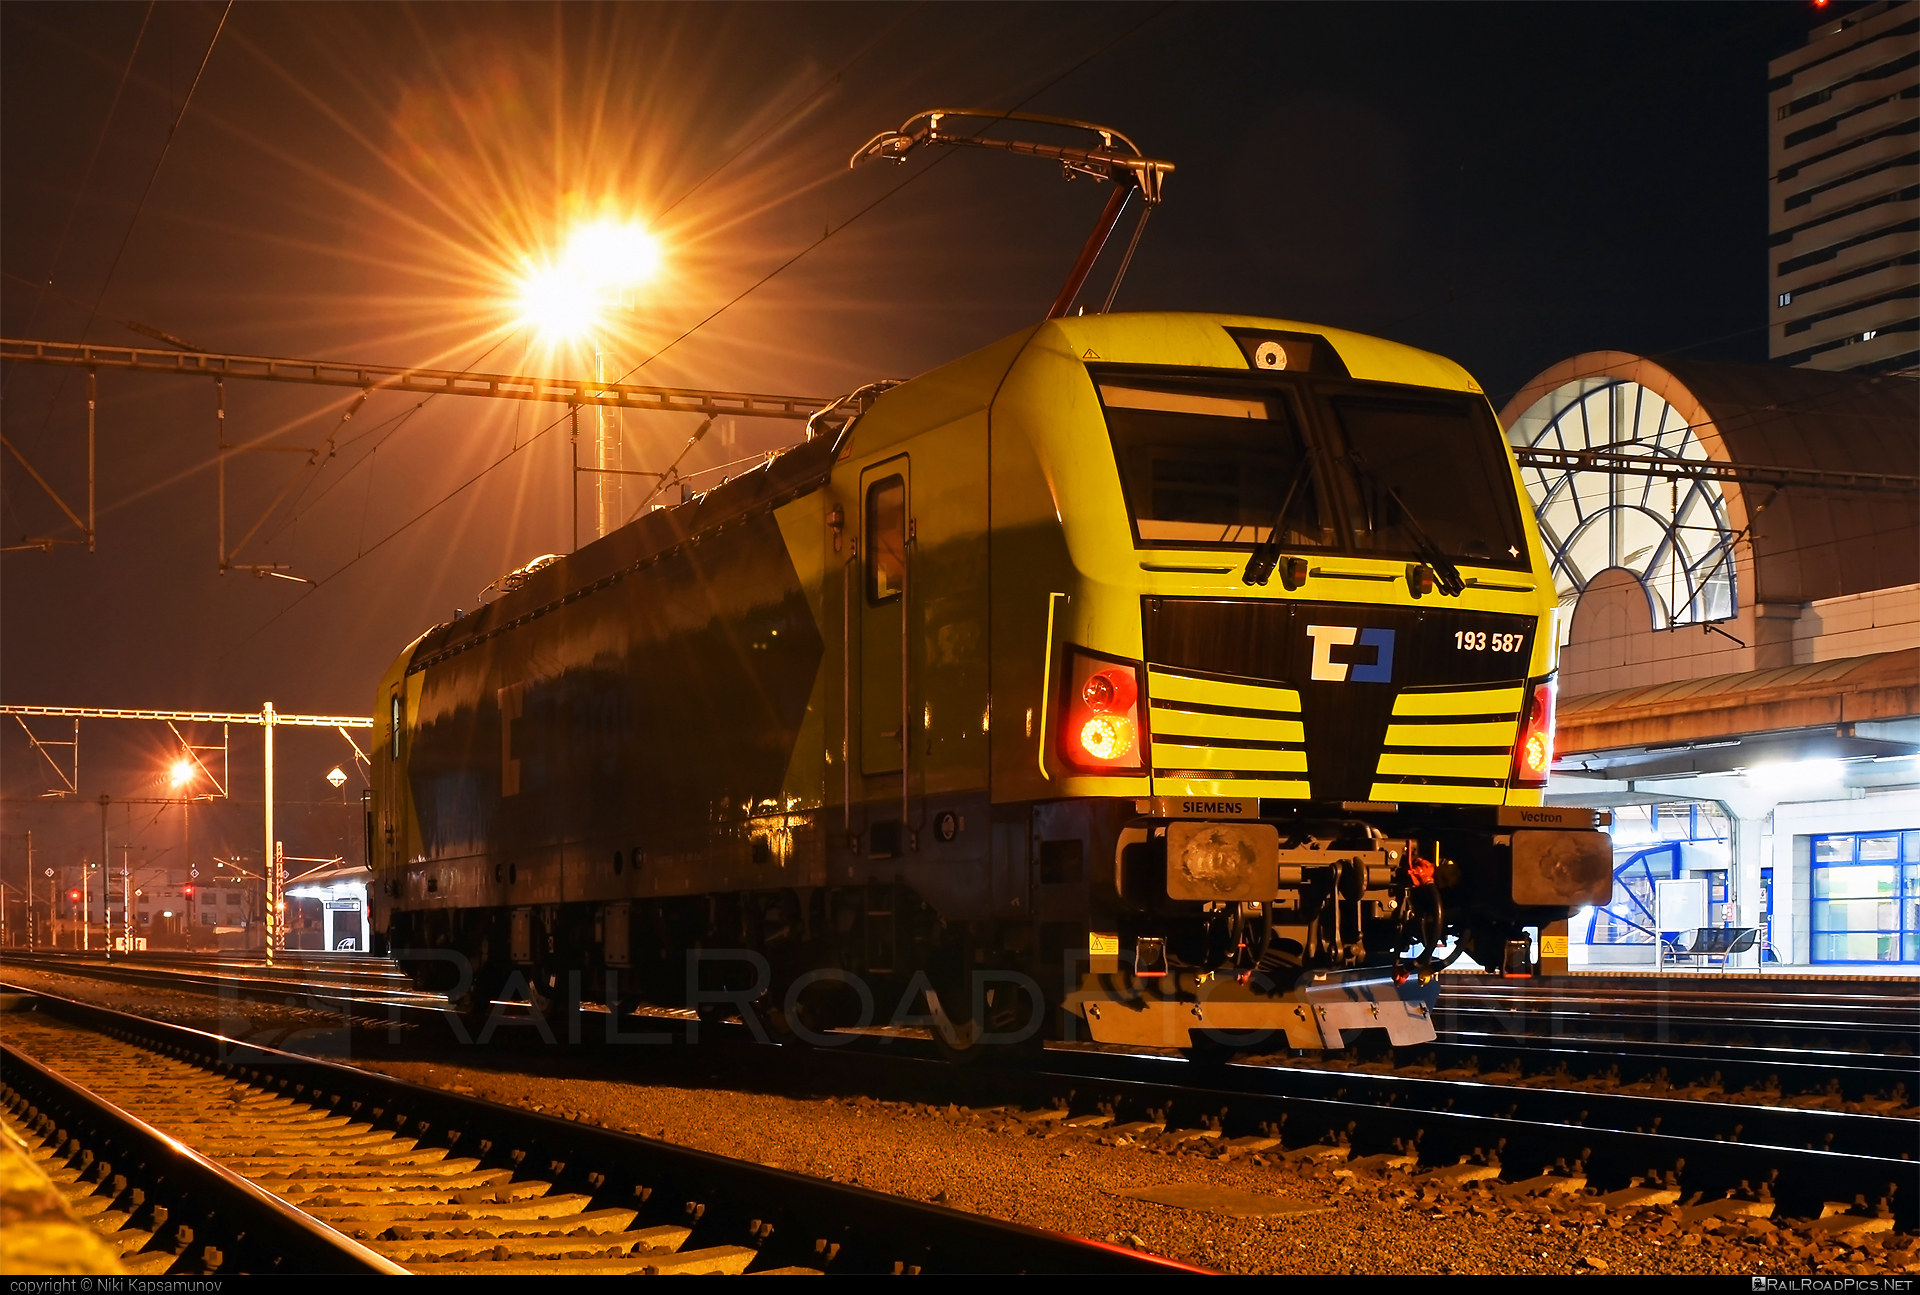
[
  {"x": 1266, "y": 554},
  {"x": 1446, "y": 576}
]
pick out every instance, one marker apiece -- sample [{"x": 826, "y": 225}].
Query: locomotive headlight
[
  {"x": 1100, "y": 724},
  {"x": 1106, "y": 737}
]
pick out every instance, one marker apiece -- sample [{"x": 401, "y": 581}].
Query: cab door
[
  {"x": 886, "y": 524},
  {"x": 389, "y": 842}
]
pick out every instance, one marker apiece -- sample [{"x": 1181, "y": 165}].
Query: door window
[{"x": 886, "y": 539}]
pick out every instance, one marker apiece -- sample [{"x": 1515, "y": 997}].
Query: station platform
[
  {"x": 1897, "y": 973},
  {"x": 1900, "y": 980}
]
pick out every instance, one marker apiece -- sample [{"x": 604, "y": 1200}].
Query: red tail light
[
  {"x": 1101, "y": 729},
  {"x": 1533, "y": 753}
]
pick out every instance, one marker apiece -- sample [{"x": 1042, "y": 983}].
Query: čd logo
[{"x": 1345, "y": 653}]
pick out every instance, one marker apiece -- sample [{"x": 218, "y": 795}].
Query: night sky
[{"x": 1504, "y": 184}]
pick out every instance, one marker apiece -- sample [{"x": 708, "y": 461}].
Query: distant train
[{"x": 1139, "y": 678}]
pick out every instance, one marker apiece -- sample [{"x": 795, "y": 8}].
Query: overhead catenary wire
[
  {"x": 295, "y": 510},
  {"x": 60, "y": 245},
  {"x": 398, "y": 420},
  {"x": 367, "y": 551},
  {"x": 86, "y": 178},
  {"x": 153, "y": 176},
  {"x": 831, "y": 229},
  {"x": 788, "y": 115},
  {"x": 114, "y": 265}
]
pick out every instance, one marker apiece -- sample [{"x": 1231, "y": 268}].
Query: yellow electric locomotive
[{"x": 1140, "y": 677}]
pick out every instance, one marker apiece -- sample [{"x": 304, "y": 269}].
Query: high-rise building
[{"x": 1844, "y": 203}]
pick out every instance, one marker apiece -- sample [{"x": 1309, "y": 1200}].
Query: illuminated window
[
  {"x": 1865, "y": 897},
  {"x": 1672, "y": 534}
]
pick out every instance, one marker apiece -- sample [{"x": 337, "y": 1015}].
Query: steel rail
[
  {"x": 211, "y": 1217},
  {"x": 1689, "y": 1071},
  {"x": 420, "y": 381},
  {"x": 198, "y": 971},
  {"x": 791, "y": 1220},
  {"x": 1777, "y": 1005},
  {"x": 1598, "y": 1023}
]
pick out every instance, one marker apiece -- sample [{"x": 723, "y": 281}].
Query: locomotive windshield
[
  {"x": 1427, "y": 464},
  {"x": 1210, "y": 467},
  {"x": 1212, "y": 464}
]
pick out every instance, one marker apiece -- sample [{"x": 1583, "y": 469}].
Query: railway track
[
  {"x": 1765, "y": 1017},
  {"x": 208, "y": 1154},
  {"x": 362, "y": 978},
  {"x": 1849, "y": 1054},
  {"x": 1809, "y": 1158},
  {"x": 1812, "y": 1151}
]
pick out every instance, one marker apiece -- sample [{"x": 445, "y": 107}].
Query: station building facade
[{"x": 1740, "y": 664}]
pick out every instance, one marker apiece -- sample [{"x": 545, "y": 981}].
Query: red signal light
[
  {"x": 1101, "y": 730},
  {"x": 73, "y": 896},
  {"x": 188, "y": 891},
  {"x": 1533, "y": 753},
  {"x": 1110, "y": 690}
]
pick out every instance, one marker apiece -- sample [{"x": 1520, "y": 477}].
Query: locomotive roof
[
  {"x": 942, "y": 395},
  {"x": 1194, "y": 340}
]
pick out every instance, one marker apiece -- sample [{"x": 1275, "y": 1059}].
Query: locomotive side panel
[
  {"x": 914, "y": 630},
  {"x": 651, "y": 719},
  {"x": 949, "y": 562},
  {"x": 1032, "y": 582}
]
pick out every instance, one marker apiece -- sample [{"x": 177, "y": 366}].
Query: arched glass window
[{"x": 1672, "y": 534}]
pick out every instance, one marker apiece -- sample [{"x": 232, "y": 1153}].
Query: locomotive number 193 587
[{"x": 1481, "y": 641}]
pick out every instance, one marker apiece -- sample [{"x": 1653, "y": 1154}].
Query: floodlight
[{"x": 569, "y": 297}]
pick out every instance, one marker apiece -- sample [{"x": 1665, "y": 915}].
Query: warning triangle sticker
[{"x": 1091, "y": 354}]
